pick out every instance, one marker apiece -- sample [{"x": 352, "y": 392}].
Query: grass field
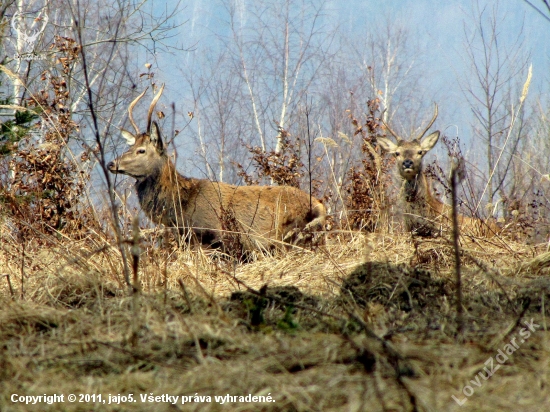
[{"x": 365, "y": 323}]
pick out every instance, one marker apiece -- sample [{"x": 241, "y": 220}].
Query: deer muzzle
[{"x": 113, "y": 166}]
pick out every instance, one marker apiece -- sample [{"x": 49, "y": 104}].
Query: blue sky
[
  {"x": 439, "y": 25},
  {"x": 435, "y": 28}
]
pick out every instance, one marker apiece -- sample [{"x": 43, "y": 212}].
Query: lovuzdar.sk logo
[{"x": 28, "y": 27}]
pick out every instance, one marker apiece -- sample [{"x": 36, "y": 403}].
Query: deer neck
[
  {"x": 164, "y": 194},
  {"x": 165, "y": 177},
  {"x": 417, "y": 192},
  {"x": 416, "y": 189}
]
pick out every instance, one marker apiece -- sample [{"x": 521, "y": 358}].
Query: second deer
[
  {"x": 261, "y": 216},
  {"x": 424, "y": 214}
]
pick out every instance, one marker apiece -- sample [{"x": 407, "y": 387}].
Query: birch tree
[{"x": 279, "y": 48}]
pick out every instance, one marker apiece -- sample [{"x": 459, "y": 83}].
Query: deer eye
[
  {"x": 421, "y": 152},
  {"x": 396, "y": 154},
  {"x": 141, "y": 151}
]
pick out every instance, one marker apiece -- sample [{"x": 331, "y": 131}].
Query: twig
[
  {"x": 135, "y": 252},
  {"x": 458, "y": 279},
  {"x": 23, "y": 271},
  {"x": 511, "y": 328},
  {"x": 12, "y": 293},
  {"x": 309, "y": 159},
  {"x": 136, "y": 288},
  {"x": 509, "y": 133},
  {"x": 102, "y": 157},
  {"x": 539, "y": 11},
  {"x": 185, "y": 295}
]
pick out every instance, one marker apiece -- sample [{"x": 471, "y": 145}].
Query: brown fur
[
  {"x": 425, "y": 215},
  {"x": 264, "y": 215}
]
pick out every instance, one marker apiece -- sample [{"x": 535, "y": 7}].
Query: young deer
[
  {"x": 264, "y": 216},
  {"x": 424, "y": 214}
]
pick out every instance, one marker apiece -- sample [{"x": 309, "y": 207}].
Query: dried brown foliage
[
  {"x": 231, "y": 234},
  {"x": 47, "y": 182},
  {"x": 284, "y": 167},
  {"x": 522, "y": 218},
  {"x": 436, "y": 174},
  {"x": 527, "y": 218},
  {"x": 366, "y": 186}
]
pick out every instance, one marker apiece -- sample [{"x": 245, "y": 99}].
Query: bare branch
[{"x": 546, "y": 3}]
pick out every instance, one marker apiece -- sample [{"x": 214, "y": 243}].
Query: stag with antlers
[
  {"x": 424, "y": 214},
  {"x": 262, "y": 216}
]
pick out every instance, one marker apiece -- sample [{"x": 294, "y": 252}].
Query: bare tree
[
  {"x": 493, "y": 89},
  {"x": 279, "y": 49},
  {"x": 392, "y": 64},
  {"x": 218, "y": 99},
  {"x": 100, "y": 40},
  {"x": 249, "y": 83}
]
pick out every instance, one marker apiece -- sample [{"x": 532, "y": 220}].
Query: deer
[
  {"x": 265, "y": 217},
  {"x": 423, "y": 213}
]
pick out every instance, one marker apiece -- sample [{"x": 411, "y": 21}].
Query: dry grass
[
  {"x": 298, "y": 326},
  {"x": 365, "y": 322}
]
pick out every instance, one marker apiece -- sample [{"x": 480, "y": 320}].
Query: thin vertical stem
[{"x": 458, "y": 276}]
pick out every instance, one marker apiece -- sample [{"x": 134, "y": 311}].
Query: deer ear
[
  {"x": 386, "y": 144},
  {"x": 129, "y": 137},
  {"x": 429, "y": 141},
  {"x": 156, "y": 137}
]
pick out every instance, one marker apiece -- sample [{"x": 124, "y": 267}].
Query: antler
[
  {"x": 152, "y": 107},
  {"x": 430, "y": 124},
  {"x": 37, "y": 33},
  {"x": 14, "y": 20},
  {"x": 131, "y": 108},
  {"x": 389, "y": 128}
]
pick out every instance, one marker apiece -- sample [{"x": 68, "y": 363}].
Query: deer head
[
  {"x": 146, "y": 155},
  {"x": 409, "y": 153}
]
